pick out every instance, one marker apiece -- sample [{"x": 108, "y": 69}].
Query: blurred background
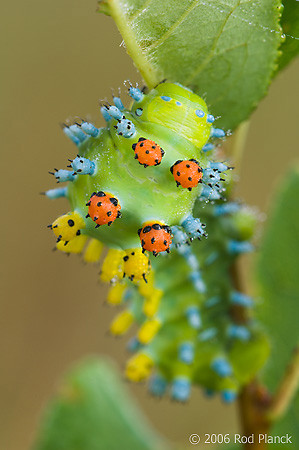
[{"x": 58, "y": 59}]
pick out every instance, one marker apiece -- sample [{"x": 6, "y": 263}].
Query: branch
[{"x": 286, "y": 390}]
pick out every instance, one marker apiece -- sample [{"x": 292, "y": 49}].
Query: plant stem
[{"x": 286, "y": 390}]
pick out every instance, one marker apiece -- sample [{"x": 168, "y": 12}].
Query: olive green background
[{"x": 58, "y": 59}]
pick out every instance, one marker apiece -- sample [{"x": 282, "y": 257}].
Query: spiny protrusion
[
  {"x": 179, "y": 236},
  {"x": 118, "y": 103},
  {"x": 217, "y": 133},
  {"x": 56, "y": 193},
  {"x": 212, "y": 178},
  {"x": 207, "y": 193},
  {"x": 125, "y": 128},
  {"x": 139, "y": 367},
  {"x": 207, "y": 334},
  {"x": 148, "y": 330},
  {"x": 114, "y": 112},
  {"x": 193, "y": 317},
  {"x": 210, "y": 118},
  {"x": 157, "y": 385},
  {"x": 82, "y": 166},
  {"x": 75, "y": 133},
  {"x": 152, "y": 302},
  {"x": 113, "y": 266},
  {"x": 228, "y": 396},
  {"x": 180, "y": 389},
  {"x": 93, "y": 251},
  {"x": 90, "y": 129},
  {"x": 194, "y": 228},
  {"x": 75, "y": 246},
  {"x": 155, "y": 237},
  {"x": 116, "y": 294},
  {"x": 103, "y": 208},
  {"x": 147, "y": 152},
  {"x": 135, "y": 93},
  {"x": 122, "y": 323},
  {"x": 238, "y": 332},
  {"x": 208, "y": 147},
  {"x": 238, "y": 247},
  {"x": 63, "y": 175},
  {"x": 187, "y": 173},
  {"x": 186, "y": 352},
  {"x": 238, "y": 298},
  {"x": 136, "y": 264},
  {"x": 226, "y": 208},
  {"x": 105, "y": 114},
  {"x": 68, "y": 226},
  {"x": 221, "y": 367}
]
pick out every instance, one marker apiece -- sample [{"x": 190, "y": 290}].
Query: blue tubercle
[
  {"x": 210, "y": 118},
  {"x": 165, "y": 98},
  {"x": 238, "y": 332},
  {"x": 217, "y": 132},
  {"x": 90, "y": 129},
  {"x": 226, "y": 208},
  {"x": 133, "y": 345},
  {"x": 56, "y": 193},
  {"x": 228, "y": 396},
  {"x": 83, "y": 166},
  {"x": 105, "y": 114},
  {"x": 193, "y": 316},
  {"x": 208, "y": 147},
  {"x": 135, "y": 93},
  {"x": 238, "y": 247},
  {"x": 219, "y": 166},
  {"x": 180, "y": 389},
  {"x": 63, "y": 175},
  {"x": 193, "y": 227},
  {"x": 222, "y": 367},
  {"x": 199, "y": 113},
  {"x": 125, "y": 128},
  {"x": 208, "y": 193},
  {"x": 212, "y": 301},
  {"x": 186, "y": 352},
  {"x": 211, "y": 177},
  {"x": 207, "y": 334},
  {"x": 114, "y": 112},
  {"x": 197, "y": 281},
  {"x": 157, "y": 385},
  {"x": 118, "y": 103},
  {"x": 76, "y": 130},
  {"x": 71, "y": 136},
  {"x": 238, "y": 298},
  {"x": 179, "y": 236}
]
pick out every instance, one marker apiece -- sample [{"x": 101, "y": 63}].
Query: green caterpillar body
[{"x": 133, "y": 186}]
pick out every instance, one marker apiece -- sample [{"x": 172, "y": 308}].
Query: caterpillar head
[{"x": 175, "y": 106}]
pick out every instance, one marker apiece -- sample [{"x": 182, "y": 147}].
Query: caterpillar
[{"x": 149, "y": 184}]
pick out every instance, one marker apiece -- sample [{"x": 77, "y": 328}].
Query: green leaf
[
  {"x": 225, "y": 50},
  {"x": 290, "y": 26},
  {"x": 278, "y": 275},
  {"x": 92, "y": 411}
]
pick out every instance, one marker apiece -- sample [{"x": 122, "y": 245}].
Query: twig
[{"x": 286, "y": 390}]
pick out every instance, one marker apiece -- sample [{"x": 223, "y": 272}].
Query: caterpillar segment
[{"x": 193, "y": 326}]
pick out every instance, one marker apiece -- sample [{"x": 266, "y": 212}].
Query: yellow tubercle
[
  {"x": 136, "y": 264},
  {"x": 147, "y": 288},
  {"x": 139, "y": 367},
  {"x": 68, "y": 226},
  {"x": 148, "y": 330},
  {"x": 122, "y": 323},
  {"x": 113, "y": 264},
  {"x": 76, "y": 245},
  {"x": 93, "y": 251},
  {"x": 115, "y": 294},
  {"x": 152, "y": 302}
]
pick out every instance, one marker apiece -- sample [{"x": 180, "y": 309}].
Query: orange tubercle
[
  {"x": 155, "y": 237},
  {"x": 103, "y": 208},
  {"x": 187, "y": 173},
  {"x": 147, "y": 152}
]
